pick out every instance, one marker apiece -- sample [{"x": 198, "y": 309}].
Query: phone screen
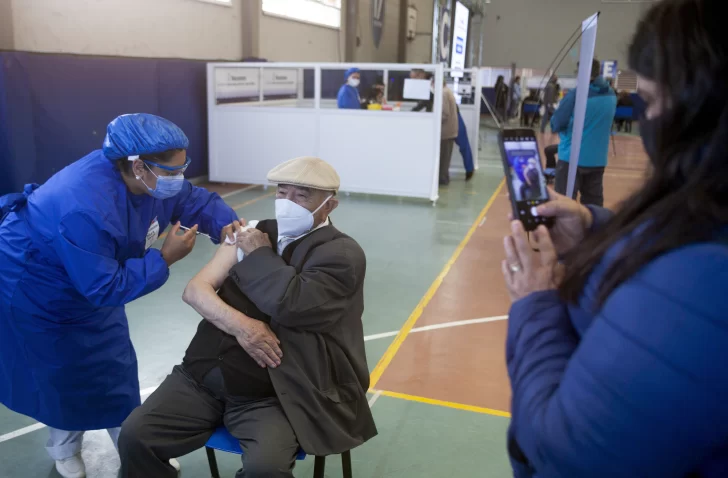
[{"x": 527, "y": 183}]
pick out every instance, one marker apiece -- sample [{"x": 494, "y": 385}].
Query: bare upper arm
[{"x": 215, "y": 271}]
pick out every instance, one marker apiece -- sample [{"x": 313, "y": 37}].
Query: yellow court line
[
  {"x": 443, "y": 403},
  {"x": 239, "y": 206},
  {"x": 407, "y": 327}
]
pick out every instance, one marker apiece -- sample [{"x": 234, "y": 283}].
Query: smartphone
[{"x": 524, "y": 175}]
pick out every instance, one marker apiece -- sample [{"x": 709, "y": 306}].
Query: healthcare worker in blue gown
[
  {"x": 348, "y": 97},
  {"x": 73, "y": 252}
]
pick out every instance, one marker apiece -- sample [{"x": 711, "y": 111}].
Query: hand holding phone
[{"x": 524, "y": 176}]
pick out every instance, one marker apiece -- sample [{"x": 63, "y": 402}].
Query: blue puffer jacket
[
  {"x": 638, "y": 388},
  {"x": 600, "y": 109}
]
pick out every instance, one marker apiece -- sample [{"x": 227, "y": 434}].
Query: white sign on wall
[
  {"x": 459, "y": 40},
  {"x": 237, "y": 85},
  {"x": 279, "y": 83},
  {"x": 609, "y": 69}
]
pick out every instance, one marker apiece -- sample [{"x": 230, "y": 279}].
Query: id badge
[{"x": 152, "y": 234}]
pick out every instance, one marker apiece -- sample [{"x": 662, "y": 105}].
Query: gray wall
[
  {"x": 6, "y": 25},
  {"x": 531, "y": 32},
  {"x": 143, "y": 28},
  {"x": 387, "y": 51},
  {"x": 419, "y": 50}
]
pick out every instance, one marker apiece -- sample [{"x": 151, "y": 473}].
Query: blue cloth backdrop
[{"x": 54, "y": 108}]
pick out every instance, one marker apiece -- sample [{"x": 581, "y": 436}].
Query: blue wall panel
[{"x": 54, "y": 108}]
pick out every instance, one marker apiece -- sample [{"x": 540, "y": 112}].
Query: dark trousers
[
  {"x": 548, "y": 112},
  {"x": 446, "y": 146},
  {"x": 181, "y": 415},
  {"x": 589, "y": 183}
]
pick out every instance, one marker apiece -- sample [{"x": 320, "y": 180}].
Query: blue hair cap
[
  {"x": 350, "y": 72},
  {"x": 142, "y": 133}
]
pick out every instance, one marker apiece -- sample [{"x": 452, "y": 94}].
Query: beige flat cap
[{"x": 308, "y": 172}]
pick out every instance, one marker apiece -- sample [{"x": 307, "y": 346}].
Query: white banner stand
[{"x": 586, "y": 55}]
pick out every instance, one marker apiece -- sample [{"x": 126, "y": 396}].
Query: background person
[
  {"x": 426, "y": 105},
  {"x": 624, "y": 99},
  {"x": 550, "y": 99},
  {"x": 515, "y": 98},
  {"x": 348, "y": 97},
  {"x": 448, "y": 131},
  {"x": 72, "y": 254},
  {"x": 501, "y": 97},
  {"x": 600, "y": 109},
  {"x": 617, "y": 362}
]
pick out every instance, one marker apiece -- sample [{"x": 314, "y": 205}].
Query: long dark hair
[{"x": 682, "y": 46}]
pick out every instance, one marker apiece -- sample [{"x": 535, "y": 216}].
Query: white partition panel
[
  {"x": 396, "y": 156},
  {"x": 247, "y": 142},
  {"x": 375, "y": 152}
]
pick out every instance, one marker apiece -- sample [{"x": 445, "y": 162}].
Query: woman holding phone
[{"x": 618, "y": 359}]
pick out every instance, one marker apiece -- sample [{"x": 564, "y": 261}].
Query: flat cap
[{"x": 308, "y": 172}]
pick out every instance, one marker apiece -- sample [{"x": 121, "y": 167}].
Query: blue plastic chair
[
  {"x": 624, "y": 113},
  {"x": 222, "y": 440}
]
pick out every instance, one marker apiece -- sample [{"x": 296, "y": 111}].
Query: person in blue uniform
[
  {"x": 348, "y": 97},
  {"x": 465, "y": 150},
  {"x": 73, "y": 252}
]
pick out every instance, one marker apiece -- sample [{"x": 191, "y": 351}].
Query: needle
[{"x": 198, "y": 233}]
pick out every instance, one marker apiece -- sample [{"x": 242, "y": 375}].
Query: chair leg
[
  {"x": 319, "y": 466},
  {"x": 212, "y": 461},
  {"x": 346, "y": 464}
]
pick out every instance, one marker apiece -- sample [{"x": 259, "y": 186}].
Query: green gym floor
[{"x": 433, "y": 321}]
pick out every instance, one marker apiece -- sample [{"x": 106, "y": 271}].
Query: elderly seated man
[{"x": 279, "y": 357}]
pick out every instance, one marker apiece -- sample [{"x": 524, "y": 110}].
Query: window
[
  {"x": 226, "y": 3},
  {"x": 318, "y": 12}
]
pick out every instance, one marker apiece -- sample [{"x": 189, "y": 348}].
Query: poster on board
[
  {"x": 279, "y": 84},
  {"x": 236, "y": 85},
  {"x": 459, "y": 40},
  {"x": 586, "y": 55}
]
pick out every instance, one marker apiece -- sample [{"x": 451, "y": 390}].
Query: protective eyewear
[{"x": 177, "y": 170}]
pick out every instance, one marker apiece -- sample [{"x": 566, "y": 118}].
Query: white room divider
[{"x": 376, "y": 152}]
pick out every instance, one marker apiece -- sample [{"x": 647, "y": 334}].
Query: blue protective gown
[
  {"x": 464, "y": 145},
  {"x": 348, "y": 98},
  {"x": 69, "y": 262}
]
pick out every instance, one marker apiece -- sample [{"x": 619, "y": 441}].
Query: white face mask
[
  {"x": 354, "y": 82},
  {"x": 294, "y": 220}
]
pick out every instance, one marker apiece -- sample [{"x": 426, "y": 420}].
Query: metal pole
[
  {"x": 435, "y": 32},
  {"x": 480, "y": 42},
  {"x": 352, "y": 12}
]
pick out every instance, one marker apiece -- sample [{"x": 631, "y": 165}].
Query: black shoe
[{"x": 469, "y": 175}]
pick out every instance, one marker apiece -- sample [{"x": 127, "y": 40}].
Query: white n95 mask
[
  {"x": 294, "y": 220},
  {"x": 354, "y": 82}
]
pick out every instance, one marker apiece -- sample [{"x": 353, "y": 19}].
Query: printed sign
[
  {"x": 152, "y": 234},
  {"x": 237, "y": 85},
  {"x": 460, "y": 40},
  {"x": 609, "y": 69},
  {"x": 279, "y": 83},
  {"x": 377, "y": 21}
]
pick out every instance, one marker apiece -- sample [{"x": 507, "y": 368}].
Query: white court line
[
  {"x": 148, "y": 391},
  {"x": 374, "y": 398},
  {"x": 444, "y": 325},
  {"x": 37, "y": 426},
  {"x": 20, "y": 432}
]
